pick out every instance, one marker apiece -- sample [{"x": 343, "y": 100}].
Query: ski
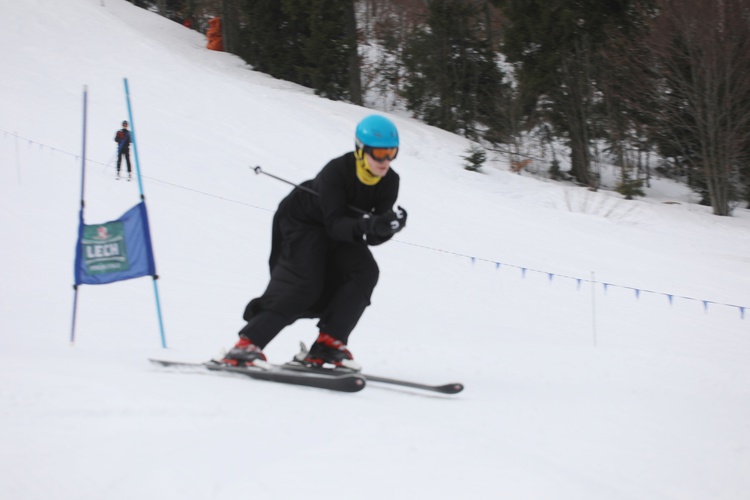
[
  {"x": 324, "y": 378},
  {"x": 299, "y": 365},
  {"x": 452, "y": 388},
  {"x": 342, "y": 382}
]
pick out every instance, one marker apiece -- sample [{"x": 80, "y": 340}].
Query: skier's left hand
[
  {"x": 391, "y": 222},
  {"x": 384, "y": 225}
]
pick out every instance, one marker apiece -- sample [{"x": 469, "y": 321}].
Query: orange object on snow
[{"x": 214, "y": 34}]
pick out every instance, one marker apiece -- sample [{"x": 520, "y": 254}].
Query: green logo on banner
[{"x": 104, "y": 248}]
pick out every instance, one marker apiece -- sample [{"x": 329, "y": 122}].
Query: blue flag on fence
[{"x": 115, "y": 251}]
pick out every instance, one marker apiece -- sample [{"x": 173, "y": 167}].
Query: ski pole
[{"x": 259, "y": 171}]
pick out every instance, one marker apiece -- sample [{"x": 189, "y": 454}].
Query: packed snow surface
[{"x": 634, "y": 387}]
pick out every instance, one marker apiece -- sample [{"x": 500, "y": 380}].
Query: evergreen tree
[
  {"x": 264, "y": 40},
  {"x": 475, "y": 158},
  {"x": 327, "y": 47},
  {"x": 453, "y": 81},
  {"x": 310, "y": 42},
  {"x": 558, "y": 47}
]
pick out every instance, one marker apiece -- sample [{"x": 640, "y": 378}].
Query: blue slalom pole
[
  {"x": 132, "y": 139},
  {"x": 158, "y": 312},
  {"x": 83, "y": 184},
  {"x": 83, "y": 152},
  {"x": 143, "y": 198}
]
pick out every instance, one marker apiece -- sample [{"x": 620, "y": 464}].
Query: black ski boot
[
  {"x": 328, "y": 350},
  {"x": 245, "y": 353}
]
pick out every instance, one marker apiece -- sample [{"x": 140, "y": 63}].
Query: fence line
[{"x": 473, "y": 259}]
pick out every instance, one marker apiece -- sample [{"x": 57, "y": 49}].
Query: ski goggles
[{"x": 381, "y": 154}]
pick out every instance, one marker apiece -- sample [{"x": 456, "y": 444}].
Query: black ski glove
[
  {"x": 383, "y": 225},
  {"x": 401, "y": 218}
]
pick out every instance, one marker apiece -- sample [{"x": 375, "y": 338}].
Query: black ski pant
[
  {"x": 126, "y": 153},
  {"x": 312, "y": 276}
]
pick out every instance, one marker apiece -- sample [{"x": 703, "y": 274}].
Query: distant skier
[
  {"x": 321, "y": 266},
  {"x": 122, "y": 138}
]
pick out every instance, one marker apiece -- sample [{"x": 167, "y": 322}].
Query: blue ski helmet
[{"x": 377, "y": 132}]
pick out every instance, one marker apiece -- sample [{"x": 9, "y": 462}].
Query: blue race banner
[{"x": 115, "y": 251}]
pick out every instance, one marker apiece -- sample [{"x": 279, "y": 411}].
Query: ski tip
[
  {"x": 454, "y": 388},
  {"x": 358, "y": 384},
  {"x": 162, "y": 362}
]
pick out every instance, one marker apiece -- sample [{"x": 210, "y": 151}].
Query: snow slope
[{"x": 571, "y": 392}]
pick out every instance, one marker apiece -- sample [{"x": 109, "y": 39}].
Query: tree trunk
[
  {"x": 229, "y": 25},
  {"x": 488, "y": 22},
  {"x": 355, "y": 77},
  {"x": 575, "y": 100},
  {"x": 580, "y": 159}
]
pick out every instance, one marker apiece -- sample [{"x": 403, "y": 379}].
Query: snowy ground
[{"x": 571, "y": 393}]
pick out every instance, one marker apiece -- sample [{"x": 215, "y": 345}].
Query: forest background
[{"x": 654, "y": 87}]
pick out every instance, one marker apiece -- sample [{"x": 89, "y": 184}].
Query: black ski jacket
[{"x": 338, "y": 189}]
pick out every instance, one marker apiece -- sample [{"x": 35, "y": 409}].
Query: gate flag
[{"x": 115, "y": 251}]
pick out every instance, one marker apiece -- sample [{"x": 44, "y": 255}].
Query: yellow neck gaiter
[{"x": 364, "y": 174}]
